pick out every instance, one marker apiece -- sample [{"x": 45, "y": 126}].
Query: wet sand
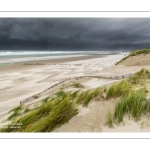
[{"x": 20, "y": 66}]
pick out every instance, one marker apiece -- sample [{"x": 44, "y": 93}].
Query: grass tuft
[
  {"x": 77, "y": 85},
  {"x": 110, "y": 119},
  {"x": 36, "y": 96},
  {"x": 135, "y": 104},
  {"x": 45, "y": 99},
  {"x": 135, "y": 53},
  {"x": 47, "y": 116},
  {"x": 140, "y": 76},
  {"x": 118, "y": 89},
  {"x": 58, "y": 116},
  {"x": 88, "y": 95},
  {"x": 60, "y": 93},
  {"x": 16, "y": 112},
  {"x": 16, "y": 109},
  {"x": 26, "y": 110}
]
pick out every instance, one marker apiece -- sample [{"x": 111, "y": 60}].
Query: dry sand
[
  {"x": 20, "y": 81},
  {"x": 139, "y": 60},
  {"x": 93, "y": 118}
]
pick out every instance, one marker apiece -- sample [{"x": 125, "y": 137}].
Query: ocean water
[{"x": 11, "y": 56}]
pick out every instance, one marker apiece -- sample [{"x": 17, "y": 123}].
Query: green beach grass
[
  {"x": 53, "y": 112},
  {"x": 15, "y": 112},
  {"x": 131, "y": 102},
  {"x": 77, "y": 85},
  {"x": 60, "y": 107},
  {"x": 117, "y": 89},
  {"x": 135, "y": 105},
  {"x": 135, "y": 53}
]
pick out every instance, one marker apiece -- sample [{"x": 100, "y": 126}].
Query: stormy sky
[{"x": 74, "y": 33}]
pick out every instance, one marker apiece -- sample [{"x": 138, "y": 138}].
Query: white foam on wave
[
  {"x": 9, "y": 57},
  {"x": 17, "y": 53},
  {"x": 15, "y": 60},
  {"x": 9, "y": 53}
]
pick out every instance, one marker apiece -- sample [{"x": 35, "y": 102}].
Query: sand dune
[
  {"x": 23, "y": 81},
  {"x": 139, "y": 60},
  {"x": 93, "y": 118}
]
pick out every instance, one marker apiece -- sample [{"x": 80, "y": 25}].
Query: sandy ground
[
  {"x": 139, "y": 60},
  {"x": 89, "y": 119},
  {"x": 93, "y": 118},
  {"x": 19, "y": 81}
]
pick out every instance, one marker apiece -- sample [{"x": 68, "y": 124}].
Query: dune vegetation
[
  {"x": 15, "y": 112},
  {"x": 53, "y": 111},
  {"x": 77, "y": 85},
  {"x": 132, "y": 100},
  {"x": 135, "y": 53},
  {"x": 118, "y": 89},
  {"x": 60, "y": 107},
  {"x": 135, "y": 104}
]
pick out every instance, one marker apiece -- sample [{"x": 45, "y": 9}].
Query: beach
[
  {"x": 19, "y": 81},
  {"x": 22, "y": 80}
]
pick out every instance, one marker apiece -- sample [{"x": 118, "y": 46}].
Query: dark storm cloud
[{"x": 74, "y": 33}]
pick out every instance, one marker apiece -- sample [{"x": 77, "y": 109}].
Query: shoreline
[
  {"x": 9, "y": 61},
  {"x": 20, "y": 65},
  {"x": 19, "y": 81}
]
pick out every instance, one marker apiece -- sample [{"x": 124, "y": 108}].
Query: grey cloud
[{"x": 74, "y": 33}]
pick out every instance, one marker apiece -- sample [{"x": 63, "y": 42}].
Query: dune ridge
[{"x": 89, "y": 119}]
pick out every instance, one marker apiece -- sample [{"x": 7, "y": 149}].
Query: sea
[{"x": 15, "y": 56}]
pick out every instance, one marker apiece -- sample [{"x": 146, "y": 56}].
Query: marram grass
[
  {"x": 135, "y": 53},
  {"x": 54, "y": 112},
  {"x": 77, "y": 85},
  {"x": 93, "y": 94},
  {"x": 135, "y": 104},
  {"x": 59, "y": 108},
  {"x": 88, "y": 95},
  {"x": 60, "y": 114},
  {"x": 140, "y": 77},
  {"x": 46, "y": 117},
  {"x": 16, "y": 112},
  {"x": 118, "y": 89},
  {"x": 110, "y": 119},
  {"x": 132, "y": 102}
]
